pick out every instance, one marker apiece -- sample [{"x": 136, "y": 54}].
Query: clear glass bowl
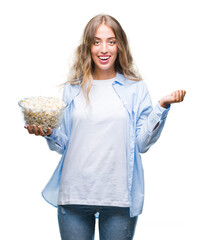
[{"x": 42, "y": 115}]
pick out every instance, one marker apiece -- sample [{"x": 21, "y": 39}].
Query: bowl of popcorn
[{"x": 46, "y": 112}]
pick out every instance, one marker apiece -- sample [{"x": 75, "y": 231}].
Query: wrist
[{"x": 164, "y": 104}]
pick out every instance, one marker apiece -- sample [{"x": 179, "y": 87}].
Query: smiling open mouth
[{"x": 104, "y": 59}]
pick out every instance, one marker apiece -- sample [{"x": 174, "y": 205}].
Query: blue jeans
[{"x": 77, "y": 222}]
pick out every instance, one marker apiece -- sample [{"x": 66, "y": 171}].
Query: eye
[
  {"x": 112, "y": 42},
  {"x": 96, "y": 42}
]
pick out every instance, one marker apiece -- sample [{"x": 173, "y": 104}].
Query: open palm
[{"x": 175, "y": 97}]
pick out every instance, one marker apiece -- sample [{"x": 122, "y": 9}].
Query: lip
[{"x": 104, "y": 61}]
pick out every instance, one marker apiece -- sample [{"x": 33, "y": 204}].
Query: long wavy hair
[{"x": 83, "y": 67}]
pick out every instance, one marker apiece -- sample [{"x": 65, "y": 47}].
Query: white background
[{"x": 167, "y": 42}]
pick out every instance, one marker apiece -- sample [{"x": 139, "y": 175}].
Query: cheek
[
  {"x": 114, "y": 51},
  {"x": 93, "y": 51},
  {"x": 93, "y": 54}
]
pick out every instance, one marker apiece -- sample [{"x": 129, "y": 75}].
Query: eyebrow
[{"x": 107, "y": 38}]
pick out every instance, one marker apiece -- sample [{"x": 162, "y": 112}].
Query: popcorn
[{"x": 43, "y": 111}]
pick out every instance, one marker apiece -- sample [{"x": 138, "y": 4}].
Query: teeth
[{"x": 104, "y": 58}]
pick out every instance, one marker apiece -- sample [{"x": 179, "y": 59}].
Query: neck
[{"x": 103, "y": 75}]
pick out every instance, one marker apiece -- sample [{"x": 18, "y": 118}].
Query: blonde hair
[{"x": 83, "y": 67}]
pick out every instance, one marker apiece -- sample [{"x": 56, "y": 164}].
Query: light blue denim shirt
[{"x": 140, "y": 136}]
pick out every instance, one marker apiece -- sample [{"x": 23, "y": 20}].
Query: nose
[{"x": 104, "y": 48}]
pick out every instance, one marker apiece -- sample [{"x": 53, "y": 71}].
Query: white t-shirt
[{"x": 95, "y": 168}]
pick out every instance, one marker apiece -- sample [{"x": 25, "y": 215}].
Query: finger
[
  {"x": 184, "y": 93},
  {"x": 35, "y": 130},
  {"x": 29, "y": 129},
  {"x": 181, "y": 95},
  {"x": 49, "y": 132},
  {"x": 176, "y": 99},
  {"x": 40, "y": 130},
  {"x": 174, "y": 96}
]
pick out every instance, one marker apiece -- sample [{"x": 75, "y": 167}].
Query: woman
[{"x": 108, "y": 123}]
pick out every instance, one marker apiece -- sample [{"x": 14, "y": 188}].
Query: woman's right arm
[{"x": 56, "y": 138}]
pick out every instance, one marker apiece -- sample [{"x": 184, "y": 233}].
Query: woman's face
[{"x": 104, "y": 51}]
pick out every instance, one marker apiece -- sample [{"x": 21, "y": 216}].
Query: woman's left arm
[
  {"x": 175, "y": 97},
  {"x": 151, "y": 121}
]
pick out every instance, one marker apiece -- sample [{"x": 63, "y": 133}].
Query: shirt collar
[{"x": 120, "y": 78}]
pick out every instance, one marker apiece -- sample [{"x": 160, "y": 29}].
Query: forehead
[{"x": 103, "y": 31}]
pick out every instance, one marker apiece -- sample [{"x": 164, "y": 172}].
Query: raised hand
[
  {"x": 38, "y": 131},
  {"x": 175, "y": 97}
]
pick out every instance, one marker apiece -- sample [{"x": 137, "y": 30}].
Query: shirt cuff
[
  {"x": 161, "y": 112},
  {"x": 51, "y": 136}
]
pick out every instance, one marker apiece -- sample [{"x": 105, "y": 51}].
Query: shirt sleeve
[
  {"x": 149, "y": 118},
  {"x": 57, "y": 141}
]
